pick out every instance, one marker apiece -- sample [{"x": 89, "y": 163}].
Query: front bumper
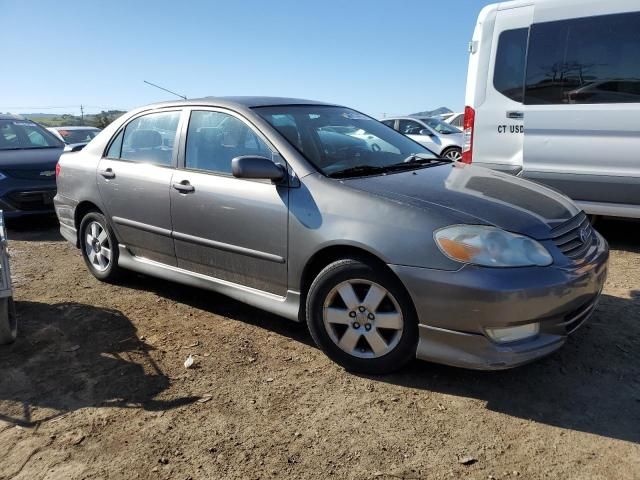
[
  {"x": 27, "y": 198},
  {"x": 455, "y": 308}
]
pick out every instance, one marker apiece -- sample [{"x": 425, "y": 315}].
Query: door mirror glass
[{"x": 251, "y": 166}]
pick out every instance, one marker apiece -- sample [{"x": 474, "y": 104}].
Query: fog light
[{"x": 513, "y": 334}]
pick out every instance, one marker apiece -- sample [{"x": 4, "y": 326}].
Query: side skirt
[{"x": 287, "y": 306}]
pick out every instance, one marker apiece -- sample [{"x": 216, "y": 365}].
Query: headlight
[
  {"x": 490, "y": 247},
  {"x": 2, "y": 176}
]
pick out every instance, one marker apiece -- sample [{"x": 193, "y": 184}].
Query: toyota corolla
[{"x": 324, "y": 215}]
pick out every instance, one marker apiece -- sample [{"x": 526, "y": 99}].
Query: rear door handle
[
  {"x": 108, "y": 173},
  {"x": 515, "y": 115},
  {"x": 184, "y": 187}
]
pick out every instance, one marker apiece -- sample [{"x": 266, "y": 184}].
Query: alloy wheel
[
  {"x": 363, "y": 318},
  {"x": 454, "y": 155},
  {"x": 97, "y": 246}
]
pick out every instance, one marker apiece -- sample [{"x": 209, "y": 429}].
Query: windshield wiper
[
  {"x": 357, "y": 170},
  {"x": 416, "y": 159}
]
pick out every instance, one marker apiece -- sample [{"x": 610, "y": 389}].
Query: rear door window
[
  {"x": 150, "y": 138},
  {"x": 410, "y": 127},
  {"x": 585, "y": 61},
  {"x": 511, "y": 56}
]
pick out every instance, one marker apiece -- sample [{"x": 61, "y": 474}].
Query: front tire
[
  {"x": 362, "y": 317},
  {"x": 453, "y": 154},
  {"x": 99, "y": 247}
]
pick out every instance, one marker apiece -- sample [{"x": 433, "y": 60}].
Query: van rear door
[{"x": 498, "y": 127}]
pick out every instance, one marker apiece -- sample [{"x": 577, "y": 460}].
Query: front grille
[
  {"x": 31, "y": 201},
  {"x": 575, "y": 237}
]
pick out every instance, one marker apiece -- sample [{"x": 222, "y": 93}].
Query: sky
[{"x": 382, "y": 57}]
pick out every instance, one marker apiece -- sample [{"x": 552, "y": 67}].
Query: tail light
[
  {"x": 57, "y": 169},
  {"x": 467, "y": 146}
]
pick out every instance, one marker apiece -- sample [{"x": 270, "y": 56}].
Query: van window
[
  {"x": 584, "y": 60},
  {"x": 508, "y": 75}
]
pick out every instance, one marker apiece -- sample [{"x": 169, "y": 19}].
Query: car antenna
[{"x": 165, "y": 89}]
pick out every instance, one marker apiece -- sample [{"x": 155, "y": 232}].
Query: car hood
[
  {"x": 30, "y": 157},
  {"x": 32, "y": 163},
  {"x": 476, "y": 195}
]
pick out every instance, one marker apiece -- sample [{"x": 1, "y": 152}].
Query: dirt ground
[{"x": 95, "y": 388}]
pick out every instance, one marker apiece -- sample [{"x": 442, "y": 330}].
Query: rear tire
[
  {"x": 8, "y": 321},
  {"x": 99, "y": 247},
  {"x": 362, "y": 317},
  {"x": 454, "y": 154}
]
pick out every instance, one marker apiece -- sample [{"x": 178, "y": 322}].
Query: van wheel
[
  {"x": 99, "y": 247},
  {"x": 8, "y": 321},
  {"x": 362, "y": 317},
  {"x": 454, "y": 154}
]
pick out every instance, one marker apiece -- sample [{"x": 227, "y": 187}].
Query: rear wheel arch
[{"x": 81, "y": 211}]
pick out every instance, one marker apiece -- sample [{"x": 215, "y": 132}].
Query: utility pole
[{"x": 82, "y": 114}]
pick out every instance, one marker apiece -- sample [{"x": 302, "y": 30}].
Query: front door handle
[
  {"x": 184, "y": 187},
  {"x": 108, "y": 173},
  {"x": 515, "y": 115}
]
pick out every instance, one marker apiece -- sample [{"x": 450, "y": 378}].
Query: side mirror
[
  {"x": 252, "y": 166},
  {"x": 425, "y": 132}
]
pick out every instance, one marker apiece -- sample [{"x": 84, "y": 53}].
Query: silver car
[
  {"x": 438, "y": 136},
  {"x": 323, "y": 215}
]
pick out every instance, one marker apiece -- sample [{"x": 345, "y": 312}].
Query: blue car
[{"x": 28, "y": 157}]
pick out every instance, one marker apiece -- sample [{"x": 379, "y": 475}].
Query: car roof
[{"x": 240, "y": 101}]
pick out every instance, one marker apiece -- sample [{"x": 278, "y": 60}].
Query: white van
[{"x": 553, "y": 95}]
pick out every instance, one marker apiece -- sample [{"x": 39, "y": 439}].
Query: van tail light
[
  {"x": 57, "y": 169},
  {"x": 467, "y": 145}
]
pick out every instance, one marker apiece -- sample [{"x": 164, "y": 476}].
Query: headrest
[{"x": 146, "y": 139}]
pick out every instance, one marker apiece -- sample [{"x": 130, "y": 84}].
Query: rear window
[
  {"x": 511, "y": 57},
  {"x": 24, "y": 134},
  {"x": 584, "y": 61},
  {"x": 78, "y": 135}
]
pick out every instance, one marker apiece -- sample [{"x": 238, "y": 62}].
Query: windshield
[
  {"x": 440, "y": 126},
  {"x": 24, "y": 134},
  {"x": 335, "y": 139},
  {"x": 83, "y": 135}
]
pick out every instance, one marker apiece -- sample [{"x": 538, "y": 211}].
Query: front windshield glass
[
  {"x": 84, "y": 135},
  {"x": 440, "y": 126},
  {"x": 335, "y": 139},
  {"x": 23, "y": 134}
]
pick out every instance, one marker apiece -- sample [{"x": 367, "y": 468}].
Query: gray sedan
[{"x": 323, "y": 215}]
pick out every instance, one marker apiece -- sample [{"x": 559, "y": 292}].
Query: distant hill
[
  {"x": 99, "y": 120},
  {"x": 432, "y": 113}
]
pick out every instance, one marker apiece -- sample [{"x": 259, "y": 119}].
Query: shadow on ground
[
  {"x": 592, "y": 384},
  {"x": 40, "y": 228},
  {"x": 69, "y": 356},
  {"x": 620, "y": 233}
]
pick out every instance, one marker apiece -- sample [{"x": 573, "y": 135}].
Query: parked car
[
  {"x": 553, "y": 95},
  {"x": 455, "y": 119},
  {"x": 75, "y": 138},
  {"x": 28, "y": 157},
  {"x": 388, "y": 252},
  {"x": 438, "y": 136}
]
